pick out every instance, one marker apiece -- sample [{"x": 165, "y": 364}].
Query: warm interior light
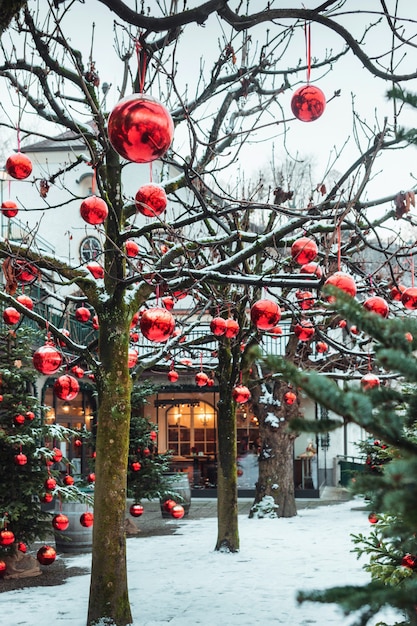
[{"x": 66, "y": 407}]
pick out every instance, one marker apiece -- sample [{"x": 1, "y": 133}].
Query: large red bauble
[
  {"x": 66, "y": 387},
  {"x": 169, "y": 505},
  {"x": 168, "y": 303},
  {"x": 136, "y": 510},
  {"x": 311, "y": 268},
  {"x": 60, "y": 522},
  {"x": 157, "y": 324},
  {"x": 342, "y": 281},
  {"x": 19, "y": 166},
  {"x": 91, "y": 478},
  {"x": 11, "y": 315},
  {"x": 30, "y": 416},
  {"x": 151, "y": 200},
  {"x": 132, "y": 248},
  {"x": 135, "y": 466},
  {"x": 24, "y": 300},
  {"x": 46, "y": 555},
  {"x": 397, "y": 292},
  {"x": 410, "y": 561},
  {"x": 94, "y": 210},
  {"x": 321, "y": 347},
  {"x": 68, "y": 480},
  {"x": 47, "y": 359},
  {"x": 409, "y": 298},
  {"x": 308, "y": 103},
  {"x": 376, "y": 304},
  {"x": 6, "y": 537},
  {"x": 201, "y": 379},
  {"x": 305, "y": 300},
  {"x": 50, "y": 483},
  {"x": 132, "y": 357},
  {"x": 19, "y": 419},
  {"x": 265, "y": 314},
  {"x": 177, "y": 511},
  {"x": 304, "y": 330},
  {"x": 47, "y": 497},
  {"x": 232, "y": 328},
  {"x": 82, "y": 314},
  {"x": 87, "y": 519},
  {"x": 304, "y": 250},
  {"x": 25, "y": 272},
  {"x": 140, "y": 128},
  {"x": 290, "y": 397},
  {"x": 9, "y": 208},
  {"x": 241, "y": 394},
  {"x": 22, "y": 547},
  {"x": 20, "y": 459},
  {"x": 95, "y": 269},
  {"x": 57, "y": 455},
  {"x": 218, "y": 326},
  {"x": 370, "y": 381}
]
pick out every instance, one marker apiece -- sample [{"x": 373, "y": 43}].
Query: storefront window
[{"x": 191, "y": 429}]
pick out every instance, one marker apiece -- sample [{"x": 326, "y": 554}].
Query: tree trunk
[{"x": 109, "y": 589}]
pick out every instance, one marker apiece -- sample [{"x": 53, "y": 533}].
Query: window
[
  {"x": 191, "y": 429},
  {"x": 90, "y": 249}
]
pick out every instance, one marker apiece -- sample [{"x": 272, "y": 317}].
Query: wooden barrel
[
  {"x": 76, "y": 538},
  {"x": 179, "y": 490}
]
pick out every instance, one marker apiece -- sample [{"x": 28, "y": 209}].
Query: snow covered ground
[{"x": 179, "y": 580}]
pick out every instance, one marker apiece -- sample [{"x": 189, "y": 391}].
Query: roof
[{"x": 67, "y": 140}]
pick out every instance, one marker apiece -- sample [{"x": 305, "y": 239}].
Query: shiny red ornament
[
  {"x": 308, "y": 103},
  {"x": 6, "y": 537},
  {"x": 376, "y": 304},
  {"x": 311, "y": 268},
  {"x": 77, "y": 371},
  {"x": 140, "y": 128},
  {"x": 11, "y": 315},
  {"x": 151, "y": 200},
  {"x": 135, "y": 319},
  {"x": 20, "y": 459},
  {"x": 168, "y": 505},
  {"x": 304, "y": 330},
  {"x": 60, "y": 522},
  {"x": 409, "y": 298},
  {"x": 94, "y": 210},
  {"x": 177, "y": 511},
  {"x": 47, "y": 497},
  {"x": 50, "y": 484},
  {"x": 78, "y": 443},
  {"x": 22, "y": 547},
  {"x": 9, "y": 208},
  {"x": 304, "y": 250},
  {"x": 19, "y": 166},
  {"x": 82, "y": 314},
  {"x": 370, "y": 381},
  {"x": 290, "y": 397},
  {"x": 276, "y": 331},
  {"x": 241, "y": 394},
  {"x": 95, "y": 323},
  {"x": 132, "y": 357},
  {"x": 3, "y": 568},
  {"x": 232, "y": 328},
  {"x": 95, "y": 269},
  {"x": 25, "y": 272},
  {"x": 29, "y": 415},
  {"x": 218, "y": 326},
  {"x": 397, "y": 292},
  {"x": 305, "y": 300},
  {"x": 410, "y": 561},
  {"x": 265, "y": 314},
  {"x": 157, "y": 324},
  {"x": 408, "y": 336},
  {"x": 342, "y": 281},
  {"x": 201, "y": 379},
  {"x": 354, "y": 330},
  {"x": 210, "y": 382},
  {"x": 47, "y": 359},
  {"x": 57, "y": 455},
  {"x": 91, "y": 478},
  {"x": 322, "y": 347},
  {"x": 136, "y": 510},
  {"x": 87, "y": 519},
  {"x": 342, "y": 324},
  {"x": 135, "y": 466},
  {"x": 153, "y": 435},
  {"x": 19, "y": 419},
  {"x": 172, "y": 376},
  {"x": 25, "y": 301},
  {"x": 373, "y": 518},
  {"x": 68, "y": 480},
  {"x": 65, "y": 332},
  {"x": 134, "y": 337},
  {"x": 66, "y": 387},
  {"x": 132, "y": 248},
  {"x": 46, "y": 555},
  {"x": 168, "y": 303}
]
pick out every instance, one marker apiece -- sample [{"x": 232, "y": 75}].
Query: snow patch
[
  {"x": 272, "y": 419},
  {"x": 265, "y": 508}
]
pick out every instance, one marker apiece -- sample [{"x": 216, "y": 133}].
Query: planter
[
  {"x": 178, "y": 489},
  {"x": 76, "y": 538}
]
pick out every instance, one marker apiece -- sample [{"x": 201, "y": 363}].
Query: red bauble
[
  {"x": 77, "y": 371},
  {"x": 265, "y": 314},
  {"x": 78, "y": 443},
  {"x": 140, "y": 128},
  {"x": 397, "y": 292},
  {"x": 177, "y": 511},
  {"x": 11, "y": 315},
  {"x": 151, "y": 200},
  {"x": 22, "y": 547},
  {"x": 311, "y": 268},
  {"x": 66, "y": 387},
  {"x": 47, "y": 359},
  {"x": 232, "y": 328},
  {"x": 168, "y": 303},
  {"x": 91, "y": 478},
  {"x": 136, "y": 510},
  {"x": 157, "y": 324},
  {"x": 308, "y": 103},
  {"x": 95, "y": 269},
  {"x": 241, "y": 394},
  {"x": 304, "y": 330},
  {"x": 408, "y": 336},
  {"x": 60, "y": 522},
  {"x": 153, "y": 435},
  {"x": 276, "y": 331},
  {"x": 6, "y": 537},
  {"x": 305, "y": 300},
  {"x": 373, "y": 518},
  {"x": 87, "y": 519},
  {"x": 132, "y": 248},
  {"x": 322, "y": 347},
  {"x": 19, "y": 166},
  {"x": 82, "y": 314},
  {"x": 376, "y": 304},
  {"x": 172, "y": 376},
  {"x": 94, "y": 210},
  {"x": 57, "y": 455},
  {"x": 410, "y": 561},
  {"x": 47, "y": 497},
  {"x": 169, "y": 505},
  {"x": 50, "y": 483},
  {"x": 370, "y": 381},
  {"x": 20, "y": 459},
  {"x": 201, "y": 379},
  {"x": 135, "y": 466},
  {"x": 342, "y": 281},
  {"x": 304, "y": 250},
  {"x": 46, "y": 555},
  {"x": 3, "y": 568},
  {"x": 68, "y": 480},
  {"x": 19, "y": 419},
  {"x": 25, "y": 301},
  {"x": 132, "y": 357},
  {"x": 30, "y": 416},
  {"x": 65, "y": 332},
  {"x": 354, "y": 330},
  {"x": 95, "y": 322},
  {"x": 409, "y": 298},
  {"x": 290, "y": 397},
  {"x": 218, "y": 326},
  {"x": 9, "y": 208}
]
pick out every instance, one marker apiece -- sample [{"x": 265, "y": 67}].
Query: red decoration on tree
[
  {"x": 29, "y": 415},
  {"x": 311, "y": 268},
  {"x": 201, "y": 379},
  {"x": 50, "y": 483},
  {"x": 82, "y": 314},
  {"x": 136, "y": 510},
  {"x": 153, "y": 435},
  {"x": 322, "y": 347},
  {"x": 25, "y": 272},
  {"x": 47, "y": 359},
  {"x": 11, "y": 315},
  {"x": 373, "y": 518},
  {"x": 218, "y": 326},
  {"x": 140, "y": 128},
  {"x": 305, "y": 300},
  {"x": 172, "y": 376},
  {"x": 265, "y": 314},
  {"x": 57, "y": 455},
  {"x": 276, "y": 331},
  {"x": 91, "y": 478},
  {"x": 290, "y": 397},
  {"x": 68, "y": 480},
  {"x": 94, "y": 210},
  {"x": 95, "y": 269},
  {"x": 77, "y": 371},
  {"x": 241, "y": 394},
  {"x": 408, "y": 336},
  {"x": 308, "y": 103},
  {"x": 157, "y": 324},
  {"x": 304, "y": 330},
  {"x": 87, "y": 519},
  {"x": 3, "y": 568},
  {"x": 232, "y": 328},
  {"x": 342, "y": 281},
  {"x": 168, "y": 303},
  {"x": 19, "y": 166},
  {"x": 151, "y": 200},
  {"x": 177, "y": 511},
  {"x": 135, "y": 466},
  {"x": 410, "y": 561},
  {"x": 304, "y": 250},
  {"x": 47, "y": 497},
  {"x": 169, "y": 505},
  {"x": 397, "y": 292},
  {"x": 6, "y": 537},
  {"x": 78, "y": 443},
  {"x": 22, "y": 547},
  {"x": 19, "y": 419},
  {"x": 66, "y": 387},
  {"x": 9, "y": 208},
  {"x": 132, "y": 248},
  {"x": 46, "y": 555},
  {"x": 60, "y": 522},
  {"x": 409, "y": 298},
  {"x": 132, "y": 357},
  {"x": 376, "y": 304},
  {"x": 20, "y": 459},
  {"x": 370, "y": 381},
  {"x": 24, "y": 300}
]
